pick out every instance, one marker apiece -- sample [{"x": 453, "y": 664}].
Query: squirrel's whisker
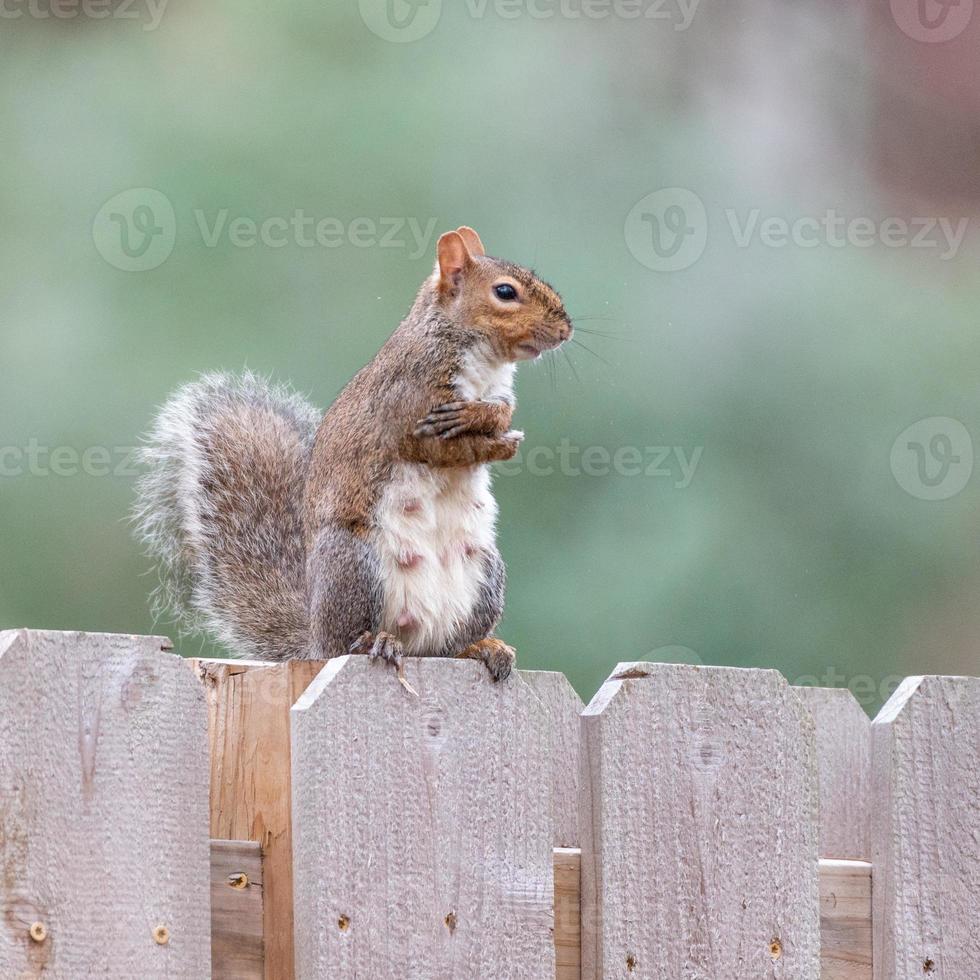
[
  {"x": 571, "y": 364},
  {"x": 578, "y": 343},
  {"x": 598, "y": 333}
]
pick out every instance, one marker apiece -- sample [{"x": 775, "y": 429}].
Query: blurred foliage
[{"x": 795, "y": 369}]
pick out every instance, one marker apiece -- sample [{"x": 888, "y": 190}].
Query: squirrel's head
[{"x": 517, "y": 314}]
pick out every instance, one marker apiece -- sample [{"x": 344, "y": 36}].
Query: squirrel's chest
[{"x": 432, "y": 530}]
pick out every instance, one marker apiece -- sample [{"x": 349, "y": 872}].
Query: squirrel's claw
[
  {"x": 386, "y": 648},
  {"x": 449, "y": 420},
  {"x": 446, "y": 425}
]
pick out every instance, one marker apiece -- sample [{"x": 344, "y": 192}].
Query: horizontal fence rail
[{"x": 691, "y": 822}]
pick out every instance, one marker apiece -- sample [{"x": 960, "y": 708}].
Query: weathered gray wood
[
  {"x": 103, "y": 809},
  {"x": 237, "y": 946},
  {"x": 926, "y": 831},
  {"x": 421, "y": 825},
  {"x": 565, "y": 708},
  {"x": 844, "y": 765},
  {"x": 845, "y": 920},
  {"x": 702, "y": 861}
]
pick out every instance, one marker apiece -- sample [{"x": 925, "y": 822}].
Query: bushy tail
[{"x": 219, "y": 509}]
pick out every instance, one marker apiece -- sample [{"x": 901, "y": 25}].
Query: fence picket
[
  {"x": 103, "y": 809},
  {"x": 926, "y": 830},
  {"x": 565, "y": 708},
  {"x": 422, "y": 825},
  {"x": 702, "y": 860},
  {"x": 844, "y": 763}
]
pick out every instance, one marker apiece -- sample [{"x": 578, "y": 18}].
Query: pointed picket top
[
  {"x": 422, "y": 824},
  {"x": 565, "y": 708},
  {"x": 103, "y": 808},
  {"x": 844, "y": 763},
  {"x": 702, "y": 859},
  {"x": 926, "y": 830}
]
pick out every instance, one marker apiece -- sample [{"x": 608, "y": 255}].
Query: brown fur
[
  {"x": 262, "y": 531},
  {"x": 373, "y": 422}
]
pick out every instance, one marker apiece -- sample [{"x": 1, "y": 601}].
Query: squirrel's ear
[
  {"x": 454, "y": 258},
  {"x": 472, "y": 240}
]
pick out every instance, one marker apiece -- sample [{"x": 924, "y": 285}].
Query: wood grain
[
  {"x": 702, "y": 861},
  {"x": 568, "y": 922},
  {"x": 845, "y": 920},
  {"x": 237, "y": 947},
  {"x": 248, "y": 724},
  {"x": 565, "y": 708},
  {"x": 422, "y": 825},
  {"x": 926, "y": 831},
  {"x": 844, "y": 764},
  {"x": 103, "y": 809}
]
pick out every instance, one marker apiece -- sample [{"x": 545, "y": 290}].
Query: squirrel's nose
[{"x": 565, "y": 331}]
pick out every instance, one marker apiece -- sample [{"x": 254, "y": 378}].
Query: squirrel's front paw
[
  {"x": 458, "y": 418},
  {"x": 451, "y": 419},
  {"x": 495, "y": 654},
  {"x": 510, "y": 443}
]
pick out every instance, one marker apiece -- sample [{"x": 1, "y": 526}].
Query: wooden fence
[{"x": 183, "y": 819}]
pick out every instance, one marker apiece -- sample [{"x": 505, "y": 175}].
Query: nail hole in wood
[
  {"x": 239, "y": 880},
  {"x": 38, "y": 932},
  {"x": 451, "y": 922},
  {"x": 161, "y": 935},
  {"x": 630, "y": 962},
  {"x": 776, "y": 948},
  {"x": 928, "y": 967},
  {"x": 343, "y": 923}
]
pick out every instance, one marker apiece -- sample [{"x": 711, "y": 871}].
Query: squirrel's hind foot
[
  {"x": 496, "y": 655},
  {"x": 379, "y": 646},
  {"x": 385, "y": 648}
]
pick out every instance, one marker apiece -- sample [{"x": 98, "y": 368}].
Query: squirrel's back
[{"x": 219, "y": 509}]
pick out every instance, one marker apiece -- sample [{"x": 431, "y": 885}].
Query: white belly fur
[{"x": 432, "y": 528}]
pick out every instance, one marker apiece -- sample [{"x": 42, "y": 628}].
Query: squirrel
[{"x": 371, "y": 530}]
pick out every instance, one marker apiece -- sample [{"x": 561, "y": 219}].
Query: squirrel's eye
[{"x": 505, "y": 292}]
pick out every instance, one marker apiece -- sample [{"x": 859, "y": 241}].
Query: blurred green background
[{"x": 801, "y": 541}]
